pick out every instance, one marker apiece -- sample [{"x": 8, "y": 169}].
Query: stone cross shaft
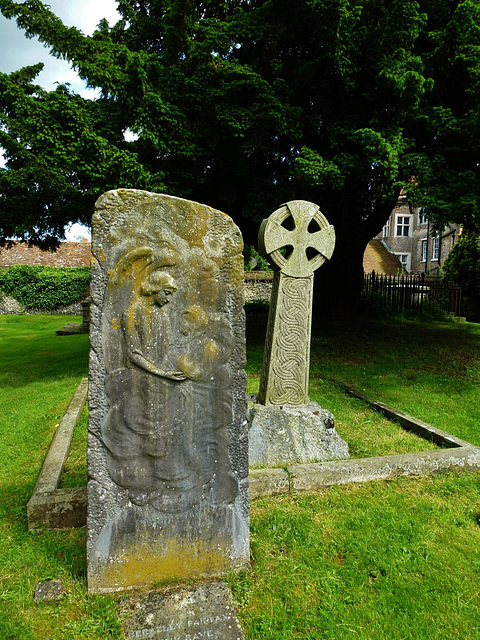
[{"x": 297, "y": 239}]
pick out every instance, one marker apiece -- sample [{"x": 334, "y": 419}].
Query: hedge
[{"x": 39, "y": 287}]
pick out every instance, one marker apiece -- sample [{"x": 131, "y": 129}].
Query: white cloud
[
  {"x": 77, "y": 233},
  {"x": 85, "y": 14}
]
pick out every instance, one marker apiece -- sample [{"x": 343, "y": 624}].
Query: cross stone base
[{"x": 280, "y": 434}]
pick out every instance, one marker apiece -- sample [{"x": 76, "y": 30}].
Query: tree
[
  {"x": 245, "y": 105},
  {"x": 462, "y": 266},
  {"x": 58, "y": 160}
]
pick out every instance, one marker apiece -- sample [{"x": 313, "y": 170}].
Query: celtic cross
[{"x": 297, "y": 239}]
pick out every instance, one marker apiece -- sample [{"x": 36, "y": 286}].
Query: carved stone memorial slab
[
  {"x": 167, "y": 444},
  {"x": 202, "y": 612},
  {"x": 284, "y": 426}
]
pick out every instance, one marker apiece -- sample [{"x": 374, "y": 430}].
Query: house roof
[
  {"x": 379, "y": 259},
  {"x": 68, "y": 254}
]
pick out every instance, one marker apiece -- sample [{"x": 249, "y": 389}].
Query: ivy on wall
[{"x": 40, "y": 287}]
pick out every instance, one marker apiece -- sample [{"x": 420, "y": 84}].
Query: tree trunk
[{"x": 339, "y": 281}]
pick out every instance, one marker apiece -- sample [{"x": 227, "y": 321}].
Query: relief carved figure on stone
[{"x": 170, "y": 344}]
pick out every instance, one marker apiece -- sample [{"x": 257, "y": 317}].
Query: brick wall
[{"x": 68, "y": 254}]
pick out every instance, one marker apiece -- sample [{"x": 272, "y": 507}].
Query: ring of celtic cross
[{"x": 273, "y": 236}]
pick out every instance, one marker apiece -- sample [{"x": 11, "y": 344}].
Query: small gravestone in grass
[
  {"x": 284, "y": 426},
  {"x": 167, "y": 449},
  {"x": 200, "y": 612}
]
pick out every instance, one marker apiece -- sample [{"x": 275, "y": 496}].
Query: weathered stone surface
[
  {"x": 203, "y": 612},
  {"x": 300, "y": 226},
  {"x": 9, "y": 305},
  {"x": 284, "y": 426},
  {"x": 50, "y": 507},
  {"x": 48, "y": 590},
  {"x": 167, "y": 450},
  {"x": 72, "y": 328},
  {"x": 310, "y": 477},
  {"x": 58, "y": 509},
  {"x": 52, "y": 468},
  {"x": 268, "y": 482},
  {"x": 282, "y": 434}
]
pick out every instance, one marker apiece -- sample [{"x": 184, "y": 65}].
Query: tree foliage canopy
[
  {"x": 463, "y": 267},
  {"x": 247, "y": 104}
]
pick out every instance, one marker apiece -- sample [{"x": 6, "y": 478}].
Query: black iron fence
[{"x": 412, "y": 294}]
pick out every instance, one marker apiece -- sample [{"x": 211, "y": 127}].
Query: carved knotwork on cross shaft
[{"x": 297, "y": 239}]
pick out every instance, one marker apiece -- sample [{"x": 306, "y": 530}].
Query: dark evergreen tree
[{"x": 244, "y": 105}]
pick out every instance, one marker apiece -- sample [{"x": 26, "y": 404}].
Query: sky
[{"x": 17, "y": 51}]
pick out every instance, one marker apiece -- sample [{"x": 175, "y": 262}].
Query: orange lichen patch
[
  {"x": 190, "y": 367},
  {"x": 146, "y": 563},
  {"x": 211, "y": 351},
  {"x": 130, "y": 265},
  {"x": 116, "y": 324}
]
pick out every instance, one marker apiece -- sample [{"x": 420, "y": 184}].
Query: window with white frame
[
  {"x": 386, "y": 229},
  {"x": 436, "y": 248},
  {"x": 422, "y": 217},
  {"x": 405, "y": 260},
  {"x": 402, "y": 226},
  {"x": 424, "y": 250}
]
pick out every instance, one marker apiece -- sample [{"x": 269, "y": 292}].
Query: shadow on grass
[
  {"x": 45, "y": 553},
  {"x": 41, "y": 359}
]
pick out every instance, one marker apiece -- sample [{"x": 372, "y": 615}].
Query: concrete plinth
[{"x": 288, "y": 433}]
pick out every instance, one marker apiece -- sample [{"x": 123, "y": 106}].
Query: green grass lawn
[
  {"x": 39, "y": 374},
  {"x": 431, "y": 371},
  {"x": 383, "y": 560},
  {"x": 428, "y": 370},
  {"x": 390, "y": 560}
]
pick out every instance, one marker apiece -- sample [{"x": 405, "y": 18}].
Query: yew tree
[{"x": 247, "y": 104}]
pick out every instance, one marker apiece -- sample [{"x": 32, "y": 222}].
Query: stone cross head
[{"x": 297, "y": 238}]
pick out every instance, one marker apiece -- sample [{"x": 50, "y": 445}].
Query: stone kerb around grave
[{"x": 168, "y": 446}]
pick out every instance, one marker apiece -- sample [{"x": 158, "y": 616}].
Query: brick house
[{"x": 409, "y": 235}]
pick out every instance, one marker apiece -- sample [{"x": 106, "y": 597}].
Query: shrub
[
  {"x": 463, "y": 267},
  {"x": 252, "y": 260},
  {"x": 44, "y": 287}
]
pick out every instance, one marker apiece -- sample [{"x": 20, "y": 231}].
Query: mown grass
[
  {"x": 367, "y": 432},
  {"x": 428, "y": 370},
  {"x": 75, "y": 470},
  {"x": 397, "y": 559},
  {"x": 39, "y": 374}
]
